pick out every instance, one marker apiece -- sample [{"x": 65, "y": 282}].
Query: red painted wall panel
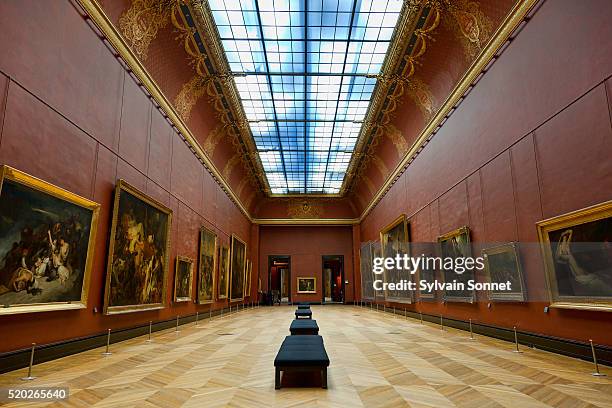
[
  {"x": 66, "y": 107},
  {"x": 532, "y": 140},
  {"x": 306, "y": 246}
]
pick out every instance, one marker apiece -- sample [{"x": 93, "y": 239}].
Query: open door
[
  {"x": 279, "y": 278},
  {"x": 333, "y": 279}
]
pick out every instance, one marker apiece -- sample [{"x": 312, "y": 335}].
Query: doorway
[
  {"x": 333, "y": 278},
  {"x": 279, "y": 278}
]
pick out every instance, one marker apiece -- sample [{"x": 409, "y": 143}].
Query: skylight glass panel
[{"x": 303, "y": 70}]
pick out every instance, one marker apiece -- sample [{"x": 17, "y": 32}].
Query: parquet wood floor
[{"x": 377, "y": 360}]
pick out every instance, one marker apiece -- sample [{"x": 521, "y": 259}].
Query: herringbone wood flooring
[{"x": 377, "y": 360}]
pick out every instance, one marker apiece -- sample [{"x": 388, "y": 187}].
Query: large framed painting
[
  {"x": 306, "y": 285},
  {"x": 237, "y": 265},
  {"x": 208, "y": 265},
  {"x": 47, "y": 238},
  {"x": 183, "y": 279},
  {"x": 137, "y": 269},
  {"x": 224, "y": 263},
  {"x": 394, "y": 240},
  {"x": 577, "y": 251},
  {"x": 503, "y": 264},
  {"x": 456, "y": 244}
]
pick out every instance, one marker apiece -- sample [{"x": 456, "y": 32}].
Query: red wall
[
  {"x": 531, "y": 141},
  {"x": 71, "y": 115},
  {"x": 306, "y": 246}
]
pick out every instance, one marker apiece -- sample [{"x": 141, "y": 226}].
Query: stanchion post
[
  {"x": 595, "y": 374},
  {"x": 441, "y": 323},
  {"x": 421, "y": 317},
  {"x": 471, "y": 332},
  {"x": 516, "y": 344},
  {"x": 196, "y": 320},
  {"x": 150, "y": 329},
  {"x": 107, "y": 352},
  {"x": 177, "y": 324},
  {"x": 30, "y": 377}
]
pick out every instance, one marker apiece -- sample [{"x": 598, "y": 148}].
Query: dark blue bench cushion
[
  {"x": 302, "y": 351},
  {"x": 302, "y": 312},
  {"x": 304, "y": 324},
  {"x": 302, "y": 307}
]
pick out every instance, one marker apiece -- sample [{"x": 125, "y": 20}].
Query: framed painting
[
  {"x": 394, "y": 240},
  {"x": 224, "y": 263},
  {"x": 137, "y": 269},
  {"x": 237, "y": 265},
  {"x": 47, "y": 237},
  {"x": 306, "y": 285},
  {"x": 247, "y": 277},
  {"x": 503, "y": 264},
  {"x": 207, "y": 267},
  {"x": 183, "y": 279},
  {"x": 367, "y": 276},
  {"x": 577, "y": 251},
  {"x": 425, "y": 272},
  {"x": 456, "y": 244}
]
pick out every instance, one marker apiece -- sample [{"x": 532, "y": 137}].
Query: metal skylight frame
[{"x": 274, "y": 61}]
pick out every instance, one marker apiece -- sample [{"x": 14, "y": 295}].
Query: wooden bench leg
[
  {"x": 324, "y": 377},
  {"x": 277, "y": 379}
]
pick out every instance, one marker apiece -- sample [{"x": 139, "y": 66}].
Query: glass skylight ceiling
[{"x": 304, "y": 71}]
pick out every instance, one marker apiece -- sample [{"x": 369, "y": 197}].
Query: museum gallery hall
[{"x": 306, "y": 203}]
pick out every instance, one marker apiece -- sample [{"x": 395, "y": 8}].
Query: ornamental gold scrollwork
[
  {"x": 304, "y": 209},
  {"x": 142, "y": 21},
  {"x": 472, "y": 27},
  {"x": 229, "y": 166}
]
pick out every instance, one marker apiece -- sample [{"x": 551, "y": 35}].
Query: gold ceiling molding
[
  {"x": 189, "y": 94},
  {"x": 380, "y": 165},
  {"x": 471, "y": 26},
  {"x": 497, "y": 40},
  {"x": 393, "y": 81},
  {"x": 306, "y": 221},
  {"x": 229, "y": 166},
  {"x": 241, "y": 134},
  {"x": 213, "y": 138},
  {"x": 421, "y": 95},
  {"x": 95, "y": 12},
  {"x": 304, "y": 209},
  {"x": 141, "y": 22}
]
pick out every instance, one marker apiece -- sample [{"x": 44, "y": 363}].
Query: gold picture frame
[
  {"x": 238, "y": 249},
  {"x": 505, "y": 259},
  {"x": 246, "y": 279},
  {"x": 124, "y": 193},
  {"x": 306, "y": 284},
  {"x": 207, "y": 266},
  {"x": 578, "y": 235},
  {"x": 15, "y": 183},
  {"x": 461, "y": 246},
  {"x": 398, "y": 233},
  {"x": 224, "y": 262},
  {"x": 178, "y": 296}
]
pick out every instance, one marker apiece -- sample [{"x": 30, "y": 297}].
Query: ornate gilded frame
[
  {"x": 544, "y": 227},
  {"x": 203, "y": 231},
  {"x": 19, "y": 177},
  {"x": 190, "y": 262},
  {"x": 233, "y": 240},
  {"x": 384, "y": 234},
  {"x": 513, "y": 249},
  {"x": 445, "y": 237},
  {"x": 247, "y": 279},
  {"x": 224, "y": 252},
  {"x": 124, "y": 187},
  {"x": 312, "y": 278}
]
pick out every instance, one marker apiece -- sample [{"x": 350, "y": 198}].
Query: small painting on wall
[
  {"x": 183, "y": 279},
  {"x": 224, "y": 263},
  {"x": 306, "y": 285},
  {"x": 502, "y": 264},
  {"x": 456, "y": 244},
  {"x": 207, "y": 266},
  {"x": 237, "y": 268}
]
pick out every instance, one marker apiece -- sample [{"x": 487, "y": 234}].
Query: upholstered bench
[
  {"x": 301, "y": 353},
  {"x": 304, "y": 326},
  {"x": 303, "y": 307},
  {"x": 305, "y": 313}
]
